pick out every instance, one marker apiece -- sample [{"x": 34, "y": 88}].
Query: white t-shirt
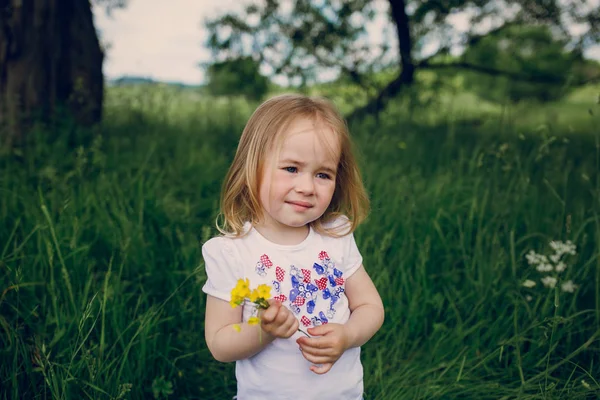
[{"x": 308, "y": 278}]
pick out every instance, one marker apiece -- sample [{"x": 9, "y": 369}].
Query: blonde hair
[{"x": 240, "y": 202}]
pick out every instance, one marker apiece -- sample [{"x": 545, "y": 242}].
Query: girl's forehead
[
  {"x": 304, "y": 135},
  {"x": 309, "y": 129}
]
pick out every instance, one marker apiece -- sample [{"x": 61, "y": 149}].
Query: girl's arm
[
  {"x": 227, "y": 344},
  {"x": 366, "y": 307},
  {"x": 224, "y": 342}
]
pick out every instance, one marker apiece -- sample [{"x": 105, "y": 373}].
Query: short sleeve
[
  {"x": 222, "y": 269},
  {"x": 352, "y": 257}
]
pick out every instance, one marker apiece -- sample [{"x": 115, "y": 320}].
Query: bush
[{"x": 239, "y": 76}]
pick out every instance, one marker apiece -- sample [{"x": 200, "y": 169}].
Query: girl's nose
[{"x": 305, "y": 184}]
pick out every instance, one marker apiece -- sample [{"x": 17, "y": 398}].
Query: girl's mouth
[{"x": 300, "y": 205}]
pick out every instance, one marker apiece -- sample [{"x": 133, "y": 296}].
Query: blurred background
[{"x": 477, "y": 128}]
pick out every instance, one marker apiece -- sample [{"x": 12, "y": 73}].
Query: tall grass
[{"x": 100, "y": 268}]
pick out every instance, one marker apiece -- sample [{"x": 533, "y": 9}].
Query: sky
[
  {"x": 159, "y": 39},
  {"x": 164, "y": 40}
]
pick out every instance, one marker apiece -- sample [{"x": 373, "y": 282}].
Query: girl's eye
[
  {"x": 323, "y": 176},
  {"x": 292, "y": 170}
]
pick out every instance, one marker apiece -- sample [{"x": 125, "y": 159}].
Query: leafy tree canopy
[
  {"x": 527, "y": 49},
  {"x": 300, "y": 39},
  {"x": 296, "y": 40}
]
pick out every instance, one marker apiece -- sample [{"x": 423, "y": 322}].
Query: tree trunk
[
  {"x": 406, "y": 77},
  {"x": 50, "y": 58},
  {"x": 400, "y": 18}
]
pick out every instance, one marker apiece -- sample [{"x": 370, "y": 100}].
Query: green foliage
[
  {"x": 305, "y": 39},
  {"x": 101, "y": 274},
  {"x": 298, "y": 42},
  {"x": 240, "y": 76},
  {"x": 161, "y": 388},
  {"x": 528, "y": 51}
]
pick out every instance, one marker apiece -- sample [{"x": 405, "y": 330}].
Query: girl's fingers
[
  {"x": 322, "y": 368},
  {"x": 317, "y": 359},
  {"x": 271, "y": 313},
  {"x": 273, "y": 302},
  {"x": 278, "y": 320},
  {"x": 315, "y": 342},
  {"x": 314, "y": 351},
  {"x": 290, "y": 326},
  {"x": 295, "y": 324}
]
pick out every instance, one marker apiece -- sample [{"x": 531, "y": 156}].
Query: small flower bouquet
[{"x": 258, "y": 296}]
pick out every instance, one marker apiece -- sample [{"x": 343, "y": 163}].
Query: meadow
[{"x": 101, "y": 270}]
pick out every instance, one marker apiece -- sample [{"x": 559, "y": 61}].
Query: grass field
[{"x": 101, "y": 271}]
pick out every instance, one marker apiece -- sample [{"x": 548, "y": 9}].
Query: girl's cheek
[
  {"x": 285, "y": 178},
  {"x": 282, "y": 175},
  {"x": 325, "y": 183}
]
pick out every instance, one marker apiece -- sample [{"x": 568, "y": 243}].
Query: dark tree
[{"x": 50, "y": 59}]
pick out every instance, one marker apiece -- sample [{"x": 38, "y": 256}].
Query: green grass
[{"x": 101, "y": 271}]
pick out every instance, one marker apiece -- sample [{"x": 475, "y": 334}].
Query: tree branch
[
  {"x": 377, "y": 103},
  {"x": 549, "y": 79},
  {"x": 393, "y": 88}
]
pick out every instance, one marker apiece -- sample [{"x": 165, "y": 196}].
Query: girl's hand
[
  {"x": 278, "y": 321},
  {"x": 325, "y": 349}
]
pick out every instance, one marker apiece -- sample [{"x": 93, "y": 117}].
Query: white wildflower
[
  {"x": 534, "y": 258},
  {"x": 529, "y": 283},
  {"x": 549, "y": 281},
  {"x": 570, "y": 248},
  {"x": 555, "y": 258},
  {"x": 568, "y": 286},
  {"x": 528, "y": 298},
  {"x": 531, "y": 257},
  {"x": 560, "y": 267},
  {"x": 544, "y": 267},
  {"x": 563, "y": 247}
]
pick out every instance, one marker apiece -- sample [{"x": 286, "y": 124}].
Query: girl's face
[{"x": 297, "y": 183}]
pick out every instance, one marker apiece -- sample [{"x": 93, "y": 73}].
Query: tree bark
[
  {"x": 405, "y": 44},
  {"x": 50, "y": 59},
  {"x": 407, "y": 66}
]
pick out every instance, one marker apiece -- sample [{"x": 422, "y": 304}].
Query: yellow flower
[
  {"x": 254, "y": 296},
  {"x": 237, "y": 327},
  {"x": 264, "y": 291},
  {"x": 242, "y": 288},
  {"x": 236, "y": 300},
  {"x": 258, "y": 296},
  {"x": 253, "y": 321}
]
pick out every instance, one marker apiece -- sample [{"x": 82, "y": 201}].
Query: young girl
[{"x": 290, "y": 202}]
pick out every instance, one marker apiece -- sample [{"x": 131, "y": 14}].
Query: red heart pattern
[
  {"x": 279, "y": 273},
  {"x": 299, "y": 301},
  {"x": 321, "y": 283},
  {"x": 306, "y": 274},
  {"x": 339, "y": 281},
  {"x": 280, "y": 297},
  {"x": 265, "y": 260}
]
